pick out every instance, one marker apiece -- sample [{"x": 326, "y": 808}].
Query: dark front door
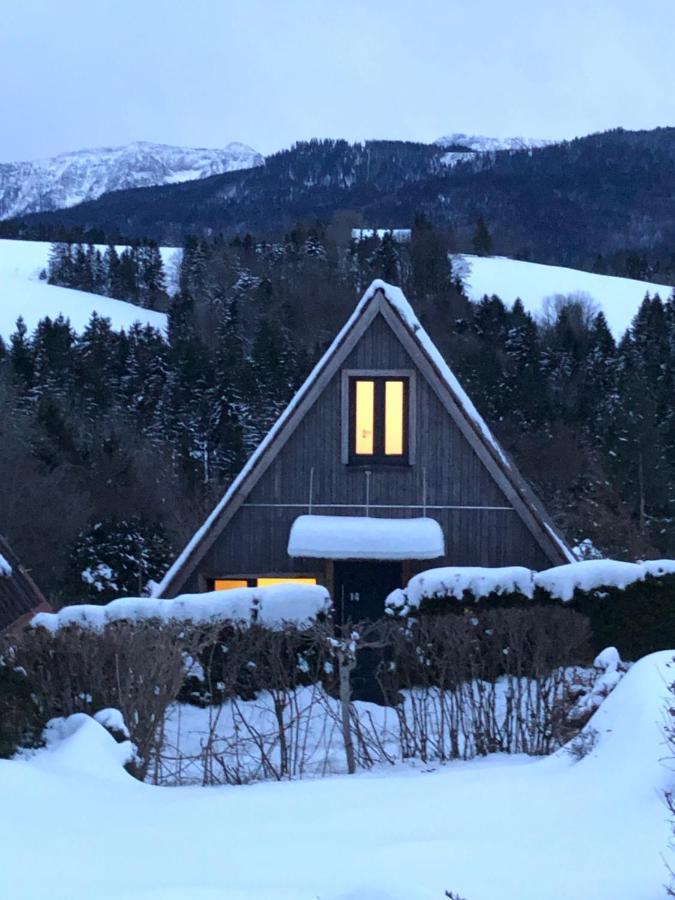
[
  {"x": 362, "y": 587},
  {"x": 360, "y": 591}
]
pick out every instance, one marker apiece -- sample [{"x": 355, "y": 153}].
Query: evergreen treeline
[
  {"x": 135, "y": 275},
  {"x": 601, "y": 203},
  {"x": 106, "y": 428}
]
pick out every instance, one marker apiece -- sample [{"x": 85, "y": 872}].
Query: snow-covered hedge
[
  {"x": 460, "y": 583},
  {"x": 631, "y": 605},
  {"x": 273, "y": 607},
  {"x": 472, "y": 583},
  {"x": 561, "y": 582}
]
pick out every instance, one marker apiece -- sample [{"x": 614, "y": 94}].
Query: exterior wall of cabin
[{"x": 480, "y": 528}]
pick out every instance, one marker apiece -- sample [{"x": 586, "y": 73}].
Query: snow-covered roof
[
  {"x": 365, "y": 537},
  {"x": 5, "y": 568},
  {"x": 397, "y": 301}
]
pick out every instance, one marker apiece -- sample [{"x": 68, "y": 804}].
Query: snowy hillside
[
  {"x": 23, "y": 294},
  {"x": 473, "y": 145},
  {"x": 619, "y": 298},
  {"x": 513, "y": 828},
  {"x": 480, "y": 144},
  {"x": 70, "y": 178}
]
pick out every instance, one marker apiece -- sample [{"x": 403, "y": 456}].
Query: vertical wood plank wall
[{"x": 256, "y": 538}]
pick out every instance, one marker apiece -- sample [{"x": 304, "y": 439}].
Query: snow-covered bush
[
  {"x": 630, "y": 605},
  {"x": 136, "y": 654},
  {"x": 495, "y": 680},
  {"x": 133, "y": 667},
  {"x": 117, "y": 557}
]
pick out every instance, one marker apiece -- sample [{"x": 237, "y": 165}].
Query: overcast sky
[{"x": 268, "y": 72}]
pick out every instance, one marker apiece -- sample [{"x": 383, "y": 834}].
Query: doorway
[
  {"x": 361, "y": 588},
  {"x": 360, "y": 591}
]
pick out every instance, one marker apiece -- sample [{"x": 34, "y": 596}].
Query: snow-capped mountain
[
  {"x": 71, "y": 178},
  {"x": 480, "y": 144},
  {"x": 470, "y": 146}
]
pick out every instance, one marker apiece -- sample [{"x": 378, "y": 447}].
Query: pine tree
[
  {"x": 21, "y": 356},
  {"x": 482, "y": 239}
]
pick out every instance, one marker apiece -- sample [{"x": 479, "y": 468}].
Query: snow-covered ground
[
  {"x": 74, "y": 826},
  {"x": 619, "y": 298},
  {"x": 23, "y": 294}
]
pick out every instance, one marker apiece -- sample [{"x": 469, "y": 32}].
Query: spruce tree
[{"x": 482, "y": 239}]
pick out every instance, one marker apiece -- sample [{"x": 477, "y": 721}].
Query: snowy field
[
  {"x": 619, "y": 298},
  {"x": 75, "y": 826},
  {"x": 23, "y": 294}
]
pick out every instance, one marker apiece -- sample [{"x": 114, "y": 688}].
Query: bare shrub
[
  {"x": 277, "y": 703},
  {"x": 134, "y": 667},
  {"x": 486, "y": 682}
]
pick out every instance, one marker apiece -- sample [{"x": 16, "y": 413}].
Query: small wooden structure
[
  {"x": 20, "y": 598},
  {"x": 381, "y": 431}
]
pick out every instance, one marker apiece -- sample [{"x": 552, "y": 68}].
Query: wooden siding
[
  {"x": 19, "y": 595},
  {"x": 447, "y": 473}
]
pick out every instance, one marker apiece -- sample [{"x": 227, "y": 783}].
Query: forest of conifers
[{"x": 115, "y": 445}]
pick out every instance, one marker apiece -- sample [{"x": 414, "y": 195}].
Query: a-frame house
[{"x": 379, "y": 467}]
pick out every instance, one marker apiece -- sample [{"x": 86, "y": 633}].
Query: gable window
[{"x": 378, "y": 419}]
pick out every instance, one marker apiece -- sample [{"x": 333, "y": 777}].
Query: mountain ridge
[
  {"x": 74, "y": 177},
  {"x": 603, "y": 203}
]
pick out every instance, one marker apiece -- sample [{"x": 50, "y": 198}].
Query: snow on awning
[{"x": 363, "y": 537}]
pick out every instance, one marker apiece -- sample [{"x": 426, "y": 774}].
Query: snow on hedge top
[
  {"x": 559, "y": 582},
  {"x": 5, "y": 568},
  {"x": 273, "y": 607},
  {"x": 448, "y": 581},
  {"x": 365, "y": 537},
  {"x": 591, "y": 574}
]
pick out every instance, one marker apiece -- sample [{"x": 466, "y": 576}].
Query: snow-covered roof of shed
[
  {"x": 5, "y": 568},
  {"x": 365, "y": 537},
  {"x": 398, "y": 302}
]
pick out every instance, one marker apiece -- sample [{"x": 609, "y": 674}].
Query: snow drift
[{"x": 498, "y": 827}]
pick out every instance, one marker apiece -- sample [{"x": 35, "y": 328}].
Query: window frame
[{"x": 378, "y": 459}]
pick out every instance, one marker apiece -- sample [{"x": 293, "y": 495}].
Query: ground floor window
[{"x": 227, "y": 584}]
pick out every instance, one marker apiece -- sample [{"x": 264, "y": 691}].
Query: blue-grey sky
[{"x": 80, "y": 74}]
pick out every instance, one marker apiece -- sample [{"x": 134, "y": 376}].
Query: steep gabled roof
[
  {"x": 19, "y": 595},
  {"x": 391, "y": 303}
]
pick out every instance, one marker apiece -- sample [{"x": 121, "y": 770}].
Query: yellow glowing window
[
  {"x": 266, "y": 582},
  {"x": 365, "y": 416},
  {"x": 379, "y": 420},
  {"x": 227, "y": 584},
  {"x": 393, "y": 418}
]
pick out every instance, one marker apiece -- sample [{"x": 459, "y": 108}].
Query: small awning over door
[{"x": 364, "y": 537}]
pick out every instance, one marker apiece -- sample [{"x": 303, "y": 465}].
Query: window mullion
[{"x": 380, "y": 413}]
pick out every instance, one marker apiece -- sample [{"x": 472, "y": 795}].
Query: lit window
[
  {"x": 393, "y": 418},
  {"x": 365, "y": 416},
  {"x": 378, "y": 420},
  {"x": 266, "y": 582},
  {"x": 228, "y": 584}
]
